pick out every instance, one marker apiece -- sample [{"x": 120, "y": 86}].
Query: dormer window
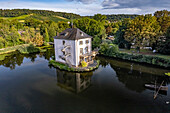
[
  {"x": 81, "y": 33},
  {"x": 65, "y": 34}
]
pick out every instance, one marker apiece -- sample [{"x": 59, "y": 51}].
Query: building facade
[{"x": 73, "y": 46}]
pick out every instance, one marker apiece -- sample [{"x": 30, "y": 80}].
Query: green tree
[
  {"x": 104, "y": 48},
  {"x": 3, "y": 43},
  {"x": 61, "y": 26},
  {"x": 163, "y": 17},
  {"x": 142, "y": 31},
  {"x": 100, "y": 17},
  {"x": 120, "y": 29},
  {"x": 91, "y": 27},
  {"x": 164, "y": 46},
  {"x": 31, "y": 22},
  {"x": 51, "y": 32},
  {"x": 15, "y": 36},
  {"x": 46, "y": 36},
  {"x": 96, "y": 42}
]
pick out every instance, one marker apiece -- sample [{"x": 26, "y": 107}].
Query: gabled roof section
[{"x": 72, "y": 34}]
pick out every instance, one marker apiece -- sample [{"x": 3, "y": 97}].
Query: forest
[
  {"x": 135, "y": 31},
  {"x": 19, "y": 12},
  {"x": 117, "y": 17}
]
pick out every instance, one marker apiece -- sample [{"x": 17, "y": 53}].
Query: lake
[{"x": 29, "y": 85}]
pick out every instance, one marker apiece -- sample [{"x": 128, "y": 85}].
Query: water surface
[{"x": 28, "y": 84}]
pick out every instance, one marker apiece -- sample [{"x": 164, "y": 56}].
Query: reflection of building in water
[{"x": 75, "y": 82}]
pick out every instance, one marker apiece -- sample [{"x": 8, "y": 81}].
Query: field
[
  {"x": 53, "y": 18},
  {"x": 38, "y": 17},
  {"x": 18, "y": 18}
]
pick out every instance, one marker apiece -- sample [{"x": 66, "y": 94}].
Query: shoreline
[
  {"x": 142, "y": 59},
  {"x": 65, "y": 67},
  {"x": 23, "y": 49}
]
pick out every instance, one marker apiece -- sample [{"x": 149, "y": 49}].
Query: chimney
[{"x": 57, "y": 33}]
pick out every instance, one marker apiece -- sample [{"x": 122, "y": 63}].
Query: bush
[
  {"x": 108, "y": 49},
  {"x": 168, "y": 74},
  {"x": 29, "y": 49},
  {"x": 83, "y": 64}
]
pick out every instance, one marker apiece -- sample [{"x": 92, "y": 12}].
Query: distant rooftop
[{"x": 72, "y": 34}]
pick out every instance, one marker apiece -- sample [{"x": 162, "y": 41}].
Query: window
[
  {"x": 63, "y": 42},
  {"x": 81, "y": 43},
  {"x": 81, "y": 51},
  {"x": 87, "y": 41},
  {"x": 86, "y": 50},
  {"x": 81, "y": 34}
]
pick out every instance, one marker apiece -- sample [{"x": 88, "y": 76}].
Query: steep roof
[{"x": 72, "y": 34}]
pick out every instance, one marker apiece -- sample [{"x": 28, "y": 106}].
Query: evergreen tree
[
  {"x": 46, "y": 36},
  {"x": 52, "y": 33}
]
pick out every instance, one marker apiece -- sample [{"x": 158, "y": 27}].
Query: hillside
[
  {"x": 55, "y": 16},
  {"x": 20, "y": 12},
  {"x": 38, "y": 17},
  {"x": 117, "y": 17},
  {"x": 18, "y": 18},
  {"x": 52, "y": 18}
]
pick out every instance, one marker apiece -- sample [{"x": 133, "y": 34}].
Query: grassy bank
[
  {"x": 145, "y": 56},
  {"x": 12, "y": 49},
  {"x": 73, "y": 69}
]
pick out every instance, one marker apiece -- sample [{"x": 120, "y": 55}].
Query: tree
[
  {"x": 96, "y": 42},
  {"x": 15, "y": 36},
  {"x": 38, "y": 40},
  {"x": 120, "y": 29},
  {"x": 42, "y": 28},
  {"x": 26, "y": 36},
  {"x": 164, "y": 46},
  {"x": 3, "y": 43},
  {"x": 52, "y": 32},
  {"x": 91, "y": 27},
  {"x": 163, "y": 17},
  {"x": 142, "y": 31},
  {"x": 103, "y": 48},
  {"x": 61, "y": 26},
  {"x": 31, "y": 22},
  {"x": 46, "y": 36},
  {"x": 100, "y": 18}
]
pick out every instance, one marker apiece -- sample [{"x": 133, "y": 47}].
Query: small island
[{"x": 73, "y": 51}]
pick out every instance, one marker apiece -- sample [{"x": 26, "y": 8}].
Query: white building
[{"x": 72, "y": 46}]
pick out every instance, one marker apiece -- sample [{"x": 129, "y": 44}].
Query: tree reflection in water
[
  {"x": 17, "y": 58},
  {"x": 135, "y": 78},
  {"x": 74, "y": 82}
]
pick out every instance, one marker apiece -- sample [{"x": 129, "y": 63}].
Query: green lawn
[
  {"x": 145, "y": 52},
  {"x": 53, "y": 18},
  {"x": 38, "y": 17},
  {"x": 18, "y": 18}
]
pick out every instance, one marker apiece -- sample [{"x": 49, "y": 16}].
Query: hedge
[{"x": 142, "y": 58}]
